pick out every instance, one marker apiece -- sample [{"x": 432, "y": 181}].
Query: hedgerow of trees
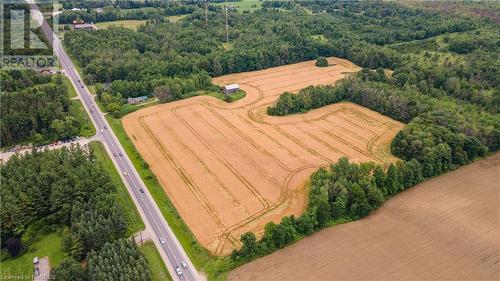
[{"x": 344, "y": 192}]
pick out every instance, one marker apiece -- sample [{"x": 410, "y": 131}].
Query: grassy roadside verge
[
  {"x": 134, "y": 220},
  {"x": 77, "y": 110},
  {"x": 214, "y": 267},
  {"x": 158, "y": 268},
  {"x": 71, "y": 90}
]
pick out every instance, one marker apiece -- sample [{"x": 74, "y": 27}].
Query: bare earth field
[
  {"x": 231, "y": 168},
  {"x": 445, "y": 229}
]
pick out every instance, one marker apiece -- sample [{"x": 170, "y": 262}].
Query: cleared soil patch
[
  {"x": 231, "y": 168},
  {"x": 445, "y": 229}
]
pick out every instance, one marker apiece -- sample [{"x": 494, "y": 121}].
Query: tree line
[
  {"x": 344, "y": 192},
  {"x": 441, "y": 134},
  {"x": 64, "y": 189}
]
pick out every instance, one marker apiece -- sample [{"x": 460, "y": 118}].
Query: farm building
[
  {"x": 231, "y": 88},
  {"x": 137, "y": 100}
]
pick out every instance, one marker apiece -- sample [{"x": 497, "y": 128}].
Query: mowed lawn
[
  {"x": 131, "y": 24},
  {"x": 243, "y": 5},
  {"x": 160, "y": 272},
  {"x": 44, "y": 245},
  {"x": 134, "y": 220}
]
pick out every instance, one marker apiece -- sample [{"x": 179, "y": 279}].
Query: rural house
[{"x": 137, "y": 100}]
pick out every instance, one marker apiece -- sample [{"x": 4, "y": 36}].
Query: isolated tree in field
[{"x": 321, "y": 62}]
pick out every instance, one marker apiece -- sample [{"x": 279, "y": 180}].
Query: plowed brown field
[
  {"x": 230, "y": 168},
  {"x": 445, "y": 229}
]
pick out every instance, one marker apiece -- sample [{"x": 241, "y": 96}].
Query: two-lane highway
[{"x": 169, "y": 247}]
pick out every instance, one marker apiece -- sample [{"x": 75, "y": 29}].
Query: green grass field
[
  {"x": 243, "y": 5},
  {"x": 79, "y": 112},
  {"x": 21, "y": 266},
  {"x": 227, "y": 46},
  {"x": 160, "y": 272},
  {"x": 176, "y": 18},
  {"x": 71, "y": 89},
  {"x": 135, "y": 223},
  {"x": 131, "y": 24},
  {"x": 214, "y": 267},
  {"x": 231, "y": 98}
]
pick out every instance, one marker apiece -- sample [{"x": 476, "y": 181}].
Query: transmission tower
[
  {"x": 227, "y": 25},
  {"x": 206, "y": 14}
]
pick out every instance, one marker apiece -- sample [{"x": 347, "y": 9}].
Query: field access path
[{"x": 231, "y": 168}]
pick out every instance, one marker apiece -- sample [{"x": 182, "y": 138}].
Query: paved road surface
[
  {"x": 170, "y": 250},
  {"x": 44, "y": 269}
]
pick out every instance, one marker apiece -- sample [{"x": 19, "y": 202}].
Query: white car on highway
[{"x": 178, "y": 270}]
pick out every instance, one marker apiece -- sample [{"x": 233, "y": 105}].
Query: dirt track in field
[
  {"x": 445, "y": 229},
  {"x": 231, "y": 168}
]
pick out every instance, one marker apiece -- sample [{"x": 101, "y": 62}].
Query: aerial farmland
[{"x": 231, "y": 168}]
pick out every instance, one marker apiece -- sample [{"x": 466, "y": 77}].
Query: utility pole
[
  {"x": 206, "y": 14},
  {"x": 227, "y": 26}
]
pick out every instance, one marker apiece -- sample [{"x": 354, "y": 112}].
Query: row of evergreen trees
[{"x": 118, "y": 260}]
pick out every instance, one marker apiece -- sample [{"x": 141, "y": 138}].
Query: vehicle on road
[
  {"x": 142, "y": 190},
  {"x": 102, "y": 130},
  {"x": 125, "y": 173},
  {"x": 178, "y": 270},
  {"x": 121, "y": 154},
  {"x": 91, "y": 111},
  {"x": 162, "y": 241},
  {"x": 114, "y": 154},
  {"x": 184, "y": 265},
  {"x": 83, "y": 86}
]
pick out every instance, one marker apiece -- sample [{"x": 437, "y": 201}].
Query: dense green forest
[
  {"x": 36, "y": 108},
  {"x": 133, "y": 63},
  {"x": 64, "y": 190}
]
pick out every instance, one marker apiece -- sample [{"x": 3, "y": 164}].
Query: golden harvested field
[
  {"x": 445, "y": 229},
  {"x": 231, "y": 168}
]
